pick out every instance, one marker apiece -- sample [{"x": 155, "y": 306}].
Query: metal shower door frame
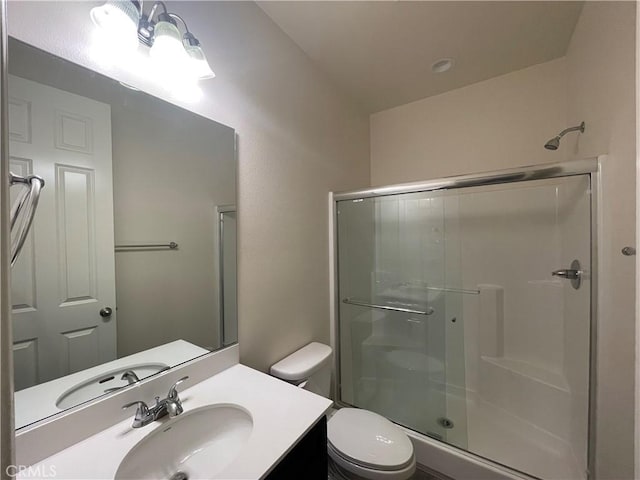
[
  {"x": 220, "y": 212},
  {"x": 591, "y": 167}
]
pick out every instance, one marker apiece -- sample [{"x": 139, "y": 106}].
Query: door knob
[
  {"x": 574, "y": 274},
  {"x": 106, "y": 312}
]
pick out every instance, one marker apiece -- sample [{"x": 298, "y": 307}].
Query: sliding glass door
[{"x": 464, "y": 314}]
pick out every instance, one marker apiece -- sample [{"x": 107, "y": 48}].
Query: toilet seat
[
  {"x": 359, "y": 472},
  {"x": 369, "y": 445}
]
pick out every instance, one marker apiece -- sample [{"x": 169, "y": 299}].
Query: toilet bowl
[{"x": 361, "y": 444}]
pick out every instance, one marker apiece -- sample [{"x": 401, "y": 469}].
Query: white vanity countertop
[
  {"x": 38, "y": 402},
  {"x": 281, "y": 413}
]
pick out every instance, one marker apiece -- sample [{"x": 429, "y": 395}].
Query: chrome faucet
[
  {"x": 172, "y": 406},
  {"x": 172, "y": 402},
  {"x": 130, "y": 376}
]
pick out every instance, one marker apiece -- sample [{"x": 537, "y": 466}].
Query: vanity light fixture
[
  {"x": 119, "y": 20},
  {"x": 197, "y": 61},
  {"x": 127, "y": 25},
  {"x": 167, "y": 42}
]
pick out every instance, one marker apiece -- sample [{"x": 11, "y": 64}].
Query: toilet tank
[{"x": 309, "y": 368}]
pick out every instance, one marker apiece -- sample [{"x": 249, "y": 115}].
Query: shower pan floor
[
  {"x": 504, "y": 438},
  {"x": 491, "y": 432}
]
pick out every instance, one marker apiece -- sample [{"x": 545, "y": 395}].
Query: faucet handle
[
  {"x": 173, "y": 391},
  {"x": 143, "y": 415},
  {"x": 143, "y": 409}
]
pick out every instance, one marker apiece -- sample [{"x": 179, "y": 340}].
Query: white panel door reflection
[{"x": 65, "y": 274}]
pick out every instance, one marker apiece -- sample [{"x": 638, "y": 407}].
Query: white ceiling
[{"x": 380, "y": 53}]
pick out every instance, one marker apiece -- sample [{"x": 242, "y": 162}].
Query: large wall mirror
[{"x": 130, "y": 266}]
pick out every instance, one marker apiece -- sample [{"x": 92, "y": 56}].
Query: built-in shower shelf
[{"x": 534, "y": 372}]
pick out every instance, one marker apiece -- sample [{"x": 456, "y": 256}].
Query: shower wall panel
[
  {"x": 527, "y": 333},
  {"x": 510, "y": 239},
  {"x": 575, "y": 202}
]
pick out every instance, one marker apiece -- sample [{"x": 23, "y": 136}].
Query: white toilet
[{"x": 361, "y": 444}]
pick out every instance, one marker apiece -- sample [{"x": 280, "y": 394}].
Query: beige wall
[
  {"x": 498, "y": 123},
  {"x": 298, "y": 139},
  {"x": 167, "y": 190},
  {"x": 600, "y": 91},
  {"x": 504, "y": 122}
]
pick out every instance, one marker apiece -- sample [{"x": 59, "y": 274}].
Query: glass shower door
[
  {"x": 394, "y": 313},
  {"x": 527, "y": 333},
  {"x": 465, "y": 315}
]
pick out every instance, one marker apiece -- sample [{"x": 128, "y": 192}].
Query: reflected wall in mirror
[{"x": 130, "y": 265}]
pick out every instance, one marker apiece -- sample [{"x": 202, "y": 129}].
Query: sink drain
[{"x": 179, "y": 476}]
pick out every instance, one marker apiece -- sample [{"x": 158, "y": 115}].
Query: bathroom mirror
[{"x": 130, "y": 265}]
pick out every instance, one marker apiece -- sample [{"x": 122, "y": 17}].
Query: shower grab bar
[
  {"x": 443, "y": 289},
  {"x": 153, "y": 246},
  {"x": 28, "y": 201},
  {"x": 351, "y": 301}
]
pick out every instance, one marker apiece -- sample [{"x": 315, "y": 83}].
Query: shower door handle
[
  {"x": 569, "y": 274},
  {"x": 574, "y": 274}
]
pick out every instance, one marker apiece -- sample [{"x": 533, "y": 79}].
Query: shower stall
[{"x": 465, "y": 312}]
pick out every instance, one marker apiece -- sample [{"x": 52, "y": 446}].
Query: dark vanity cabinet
[{"x": 307, "y": 459}]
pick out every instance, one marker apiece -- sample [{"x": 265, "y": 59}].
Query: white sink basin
[
  {"x": 199, "y": 444},
  {"x": 105, "y": 382}
]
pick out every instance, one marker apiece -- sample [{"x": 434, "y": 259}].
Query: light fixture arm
[
  {"x": 154, "y": 8},
  {"x": 188, "y": 37},
  {"x": 178, "y": 17},
  {"x": 146, "y": 25}
]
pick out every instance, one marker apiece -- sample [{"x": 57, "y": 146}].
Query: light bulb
[
  {"x": 118, "y": 20},
  {"x": 167, "y": 47},
  {"x": 198, "y": 64}
]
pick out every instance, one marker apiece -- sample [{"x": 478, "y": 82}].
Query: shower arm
[{"x": 571, "y": 129}]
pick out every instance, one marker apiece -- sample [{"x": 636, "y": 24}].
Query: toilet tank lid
[{"x": 302, "y": 363}]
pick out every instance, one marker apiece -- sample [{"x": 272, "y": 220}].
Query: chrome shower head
[{"x": 554, "y": 143}]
